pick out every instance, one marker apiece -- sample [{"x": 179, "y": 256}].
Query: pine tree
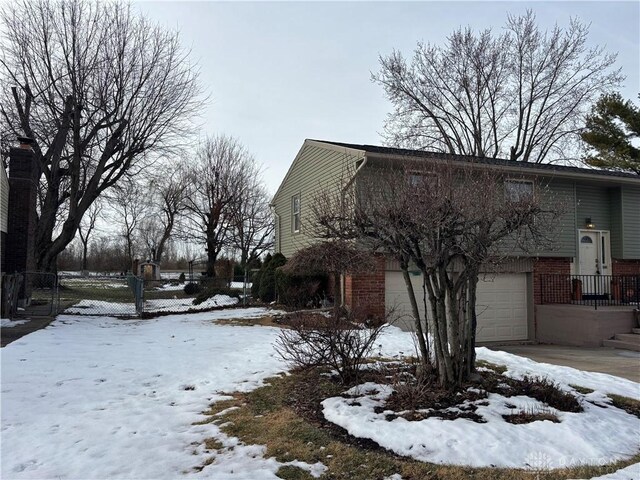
[{"x": 611, "y": 128}]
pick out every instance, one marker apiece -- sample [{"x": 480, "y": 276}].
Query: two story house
[{"x": 597, "y": 241}]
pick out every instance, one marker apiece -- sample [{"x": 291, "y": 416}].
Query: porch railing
[{"x": 593, "y": 290}]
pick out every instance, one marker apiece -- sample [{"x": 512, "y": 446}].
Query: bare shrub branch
[{"x": 335, "y": 340}]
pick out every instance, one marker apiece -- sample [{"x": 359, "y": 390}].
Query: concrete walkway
[{"x": 621, "y": 363}]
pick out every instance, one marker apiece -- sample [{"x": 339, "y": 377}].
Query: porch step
[
  {"x": 636, "y": 331},
  {"x": 627, "y": 342},
  {"x": 628, "y": 337}
]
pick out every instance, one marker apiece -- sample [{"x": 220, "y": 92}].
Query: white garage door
[{"x": 501, "y": 305}]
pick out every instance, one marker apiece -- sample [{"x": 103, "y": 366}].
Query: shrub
[
  {"x": 267, "y": 289},
  {"x": 212, "y": 292},
  {"x": 255, "y": 287},
  {"x": 549, "y": 392},
  {"x": 181, "y": 278},
  {"x": 191, "y": 288},
  {"x": 335, "y": 341},
  {"x": 300, "y": 290},
  {"x": 255, "y": 284}
]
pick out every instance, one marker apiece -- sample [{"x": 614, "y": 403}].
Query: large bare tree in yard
[
  {"x": 521, "y": 94},
  {"x": 85, "y": 229},
  {"x": 166, "y": 192},
  {"x": 252, "y": 233},
  {"x": 220, "y": 177},
  {"x": 128, "y": 210},
  {"x": 449, "y": 220},
  {"x": 100, "y": 90}
]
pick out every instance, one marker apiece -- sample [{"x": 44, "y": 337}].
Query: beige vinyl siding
[
  {"x": 4, "y": 200},
  {"x": 617, "y": 227},
  {"x": 631, "y": 222},
  {"x": 315, "y": 168}
]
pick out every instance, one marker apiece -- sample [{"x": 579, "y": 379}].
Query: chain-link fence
[
  {"x": 198, "y": 294},
  {"x": 29, "y": 294},
  {"x": 132, "y": 296},
  {"x": 35, "y": 294},
  {"x": 109, "y": 295}
]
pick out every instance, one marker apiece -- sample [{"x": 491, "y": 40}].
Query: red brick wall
[
  {"x": 557, "y": 289},
  {"x": 364, "y": 292},
  {"x": 625, "y": 267}
]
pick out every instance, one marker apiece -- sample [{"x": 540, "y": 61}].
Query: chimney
[{"x": 23, "y": 178}]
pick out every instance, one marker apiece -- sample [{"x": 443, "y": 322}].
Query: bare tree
[
  {"x": 252, "y": 224},
  {"x": 99, "y": 89},
  {"x": 86, "y": 227},
  {"x": 521, "y": 94},
  {"x": 166, "y": 201},
  {"x": 448, "y": 220},
  {"x": 219, "y": 177},
  {"x": 128, "y": 210}
]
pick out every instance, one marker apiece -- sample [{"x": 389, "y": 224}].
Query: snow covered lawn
[
  {"x": 103, "y": 398},
  {"x": 97, "y": 397}
]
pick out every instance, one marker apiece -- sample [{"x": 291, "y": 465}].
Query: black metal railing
[{"x": 593, "y": 290}]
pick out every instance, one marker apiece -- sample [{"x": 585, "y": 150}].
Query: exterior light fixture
[{"x": 588, "y": 223}]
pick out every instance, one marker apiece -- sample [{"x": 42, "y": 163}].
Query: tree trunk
[
  {"x": 84, "y": 256},
  {"x": 212, "y": 256},
  {"x": 422, "y": 342}
]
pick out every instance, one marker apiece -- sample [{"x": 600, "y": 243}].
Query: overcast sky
[{"x": 280, "y": 72}]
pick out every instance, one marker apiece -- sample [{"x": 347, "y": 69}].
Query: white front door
[
  {"x": 588, "y": 244},
  {"x": 594, "y": 252}
]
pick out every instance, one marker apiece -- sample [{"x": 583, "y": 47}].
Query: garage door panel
[{"x": 501, "y": 304}]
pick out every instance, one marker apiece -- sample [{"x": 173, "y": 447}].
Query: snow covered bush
[{"x": 333, "y": 340}]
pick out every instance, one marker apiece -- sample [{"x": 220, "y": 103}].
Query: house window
[
  {"x": 295, "y": 213},
  {"x": 518, "y": 190},
  {"x": 423, "y": 180},
  {"x": 586, "y": 239}
]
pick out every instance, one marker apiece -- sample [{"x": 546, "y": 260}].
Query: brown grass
[
  {"x": 531, "y": 415},
  {"x": 266, "y": 321},
  {"x": 286, "y": 417},
  {"x": 629, "y": 405},
  {"x": 582, "y": 390}
]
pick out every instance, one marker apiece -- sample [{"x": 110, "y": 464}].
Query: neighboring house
[{"x": 599, "y": 234}]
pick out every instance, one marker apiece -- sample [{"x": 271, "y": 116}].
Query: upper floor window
[
  {"x": 517, "y": 190},
  {"x": 423, "y": 180},
  {"x": 295, "y": 213}
]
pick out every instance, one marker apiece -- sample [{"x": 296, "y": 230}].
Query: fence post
[{"x": 140, "y": 296}]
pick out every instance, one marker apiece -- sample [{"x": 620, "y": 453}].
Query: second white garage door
[{"x": 501, "y": 305}]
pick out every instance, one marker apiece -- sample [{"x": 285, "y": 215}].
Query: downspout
[
  {"x": 343, "y": 285},
  {"x": 277, "y": 229},
  {"x": 352, "y": 179}
]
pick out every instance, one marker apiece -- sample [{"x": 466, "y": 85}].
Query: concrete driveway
[{"x": 621, "y": 363}]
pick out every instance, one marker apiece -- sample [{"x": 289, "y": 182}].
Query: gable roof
[{"x": 541, "y": 168}]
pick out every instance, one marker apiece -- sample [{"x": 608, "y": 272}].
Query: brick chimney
[{"x": 23, "y": 177}]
